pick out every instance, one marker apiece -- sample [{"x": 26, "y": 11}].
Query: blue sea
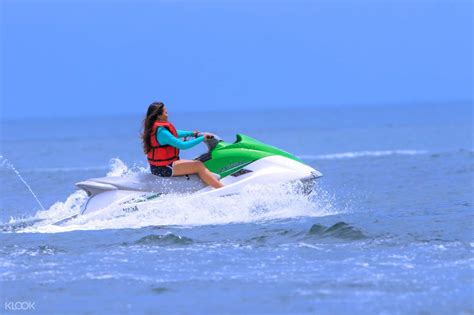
[{"x": 387, "y": 230}]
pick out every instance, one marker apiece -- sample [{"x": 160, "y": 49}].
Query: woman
[{"x": 161, "y": 144}]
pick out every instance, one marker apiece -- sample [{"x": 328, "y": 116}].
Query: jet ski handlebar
[{"x": 211, "y": 141}]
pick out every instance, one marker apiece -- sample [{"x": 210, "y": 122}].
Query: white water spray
[
  {"x": 5, "y": 162},
  {"x": 255, "y": 203}
]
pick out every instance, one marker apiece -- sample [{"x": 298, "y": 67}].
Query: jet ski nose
[{"x": 92, "y": 187}]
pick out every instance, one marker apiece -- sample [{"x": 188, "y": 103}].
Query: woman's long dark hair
[{"x": 154, "y": 110}]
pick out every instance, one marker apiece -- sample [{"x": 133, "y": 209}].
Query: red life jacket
[{"x": 162, "y": 155}]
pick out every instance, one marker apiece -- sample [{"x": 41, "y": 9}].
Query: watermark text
[{"x": 20, "y": 306}]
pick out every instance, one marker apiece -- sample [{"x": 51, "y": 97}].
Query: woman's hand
[{"x": 195, "y": 133}]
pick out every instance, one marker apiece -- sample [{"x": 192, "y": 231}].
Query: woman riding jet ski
[
  {"x": 227, "y": 166},
  {"x": 161, "y": 144}
]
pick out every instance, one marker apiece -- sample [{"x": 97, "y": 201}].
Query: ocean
[{"x": 388, "y": 229}]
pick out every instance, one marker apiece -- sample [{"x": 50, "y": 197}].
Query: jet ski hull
[
  {"x": 239, "y": 164},
  {"x": 130, "y": 193}
]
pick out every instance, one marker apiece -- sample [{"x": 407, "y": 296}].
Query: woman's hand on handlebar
[{"x": 206, "y": 135}]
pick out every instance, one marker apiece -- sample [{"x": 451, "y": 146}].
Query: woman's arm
[
  {"x": 184, "y": 133},
  {"x": 165, "y": 137}
]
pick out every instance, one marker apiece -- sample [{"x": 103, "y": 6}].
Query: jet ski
[{"x": 244, "y": 162}]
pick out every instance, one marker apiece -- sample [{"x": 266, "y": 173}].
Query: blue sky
[{"x": 83, "y": 58}]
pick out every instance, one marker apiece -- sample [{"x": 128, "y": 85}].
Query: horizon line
[{"x": 231, "y": 110}]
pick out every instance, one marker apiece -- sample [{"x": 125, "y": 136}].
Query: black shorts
[{"x": 163, "y": 171}]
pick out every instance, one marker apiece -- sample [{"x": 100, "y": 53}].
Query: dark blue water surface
[{"x": 388, "y": 229}]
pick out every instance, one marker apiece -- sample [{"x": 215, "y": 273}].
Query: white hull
[{"x": 132, "y": 193}]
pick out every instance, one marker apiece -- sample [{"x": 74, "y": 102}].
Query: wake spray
[{"x": 5, "y": 162}]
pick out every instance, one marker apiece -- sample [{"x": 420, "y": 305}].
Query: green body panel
[{"x": 228, "y": 158}]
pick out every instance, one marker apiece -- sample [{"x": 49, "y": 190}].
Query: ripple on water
[
  {"x": 340, "y": 230},
  {"x": 169, "y": 239},
  {"x": 41, "y": 250}
]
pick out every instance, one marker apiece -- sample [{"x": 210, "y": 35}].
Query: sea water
[{"x": 387, "y": 230}]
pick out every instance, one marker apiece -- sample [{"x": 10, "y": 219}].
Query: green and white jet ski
[{"x": 243, "y": 162}]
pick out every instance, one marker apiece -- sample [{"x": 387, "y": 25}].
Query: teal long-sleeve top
[{"x": 165, "y": 137}]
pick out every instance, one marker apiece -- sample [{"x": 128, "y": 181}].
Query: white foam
[
  {"x": 117, "y": 167},
  {"x": 59, "y": 209},
  {"x": 73, "y": 203},
  {"x": 255, "y": 203},
  {"x": 359, "y": 154}
]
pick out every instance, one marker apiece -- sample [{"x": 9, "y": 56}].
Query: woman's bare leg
[{"x": 186, "y": 167}]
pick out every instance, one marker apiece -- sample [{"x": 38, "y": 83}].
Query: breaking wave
[
  {"x": 359, "y": 154},
  {"x": 65, "y": 169}
]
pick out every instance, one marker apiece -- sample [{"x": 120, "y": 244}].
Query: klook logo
[{"x": 20, "y": 306}]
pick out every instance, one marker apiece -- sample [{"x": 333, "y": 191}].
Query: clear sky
[{"x": 81, "y": 58}]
